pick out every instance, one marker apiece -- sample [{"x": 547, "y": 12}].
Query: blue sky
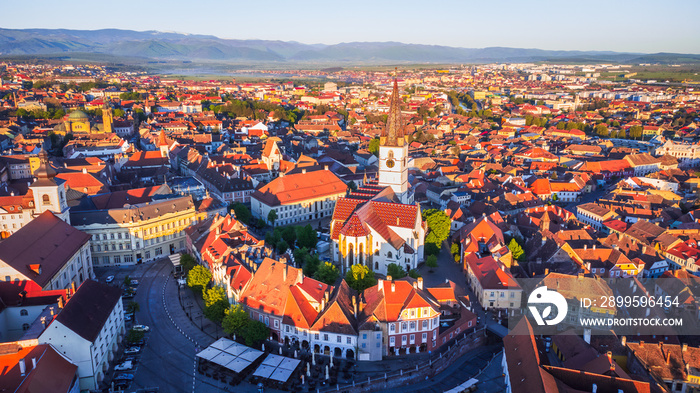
[{"x": 633, "y": 26}]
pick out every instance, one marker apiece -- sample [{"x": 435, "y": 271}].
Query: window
[
  {"x": 316, "y": 336},
  {"x": 277, "y": 323},
  {"x": 413, "y": 326},
  {"x": 128, "y": 259},
  {"x": 325, "y": 337},
  {"x": 23, "y": 312},
  {"x": 159, "y": 250},
  {"x": 267, "y": 321},
  {"x": 45, "y": 199},
  {"x": 25, "y": 326},
  {"x": 117, "y": 259},
  {"x": 339, "y": 339},
  {"x": 403, "y": 340},
  {"x": 425, "y": 324},
  {"x": 364, "y": 336},
  {"x": 105, "y": 260},
  {"x": 391, "y": 341},
  {"x": 348, "y": 341},
  {"x": 148, "y": 255},
  {"x": 111, "y": 236},
  {"x": 404, "y": 327},
  {"x": 424, "y": 337}
]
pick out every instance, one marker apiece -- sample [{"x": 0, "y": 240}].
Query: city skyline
[{"x": 545, "y": 24}]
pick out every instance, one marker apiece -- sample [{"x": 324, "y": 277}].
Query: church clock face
[{"x": 390, "y": 163}]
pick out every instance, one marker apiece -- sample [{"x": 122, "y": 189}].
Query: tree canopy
[
  {"x": 198, "y": 278},
  {"x": 395, "y": 271},
  {"x": 516, "y": 250},
  {"x": 327, "y": 273},
  {"x": 215, "y": 303},
  {"x": 359, "y": 277}
]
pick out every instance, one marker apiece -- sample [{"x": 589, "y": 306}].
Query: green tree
[
  {"x": 255, "y": 332},
  {"x": 431, "y": 262},
  {"x": 602, "y": 130},
  {"x": 282, "y": 246},
  {"x": 438, "y": 223},
  {"x": 187, "y": 262},
  {"x": 516, "y": 250},
  {"x": 132, "y": 307},
  {"x": 198, "y": 278},
  {"x": 374, "y": 146},
  {"x": 134, "y": 336},
  {"x": 127, "y": 281},
  {"x": 235, "y": 319},
  {"x": 271, "y": 217},
  {"x": 328, "y": 273},
  {"x": 454, "y": 248},
  {"x": 636, "y": 131},
  {"x": 413, "y": 273},
  {"x": 359, "y": 277},
  {"x": 119, "y": 112},
  {"x": 242, "y": 212},
  {"x": 289, "y": 235},
  {"x": 215, "y": 303},
  {"x": 395, "y": 271},
  {"x": 306, "y": 237}
]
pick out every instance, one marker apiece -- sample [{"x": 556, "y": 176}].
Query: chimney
[
  {"x": 72, "y": 286},
  {"x": 380, "y": 284},
  {"x": 641, "y": 344},
  {"x": 354, "y": 305},
  {"x": 419, "y": 280},
  {"x": 303, "y": 171},
  {"x": 594, "y": 246},
  {"x": 325, "y": 167},
  {"x": 60, "y": 302},
  {"x": 389, "y": 278},
  {"x": 393, "y": 287},
  {"x": 33, "y": 363},
  {"x": 684, "y": 348},
  {"x": 668, "y": 357},
  {"x": 284, "y": 273},
  {"x": 546, "y": 271},
  {"x": 51, "y": 310},
  {"x": 623, "y": 341},
  {"x": 415, "y": 285},
  {"x": 22, "y": 367},
  {"x": 323, "y": 304},
  {"x": 585, "y": 246},
  {"x": 610, "y": 359}
]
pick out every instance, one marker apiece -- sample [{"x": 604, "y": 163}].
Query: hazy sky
[{"x": 618, "y": 25}]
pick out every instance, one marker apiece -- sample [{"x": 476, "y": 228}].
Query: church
[
  {"x": 379, "y": 223},
  {"x": 78, "y": 122}
]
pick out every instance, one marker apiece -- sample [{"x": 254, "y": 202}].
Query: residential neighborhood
[{"x": 351, "y": 230}]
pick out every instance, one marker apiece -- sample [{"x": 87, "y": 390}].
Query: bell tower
[
  {"x": 393, "y": 151},
  {"x": 49, "y": 192},
  {"x": 107, "y": 119}
]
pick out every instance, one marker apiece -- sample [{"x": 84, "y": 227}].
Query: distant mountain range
[{"x": 156, "y": 45}]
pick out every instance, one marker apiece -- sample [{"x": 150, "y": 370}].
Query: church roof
[
  {"x": 78, "y": 115},
  {"x": 394, "y": 124}
]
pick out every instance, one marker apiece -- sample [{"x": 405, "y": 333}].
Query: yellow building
[{"x": 78, "y": 122}]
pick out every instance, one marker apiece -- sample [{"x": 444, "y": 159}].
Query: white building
[
  {"x": 47, "y": 251},
  {"x": 88, "y": 330}
]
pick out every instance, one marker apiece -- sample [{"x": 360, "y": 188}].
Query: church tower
[
  {"x": 163, "y": 145},
  {"x": 107, "y": 119},
  {"x": 49, "y": 192},
  {"x": 393, "y": 151}
]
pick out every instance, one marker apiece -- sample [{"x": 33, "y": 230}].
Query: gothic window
[
  {"x": 23, "y": 312},
  {"x": 388, "y": 254}
]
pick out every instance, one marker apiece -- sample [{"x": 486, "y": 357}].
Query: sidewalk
[{"x": 186, "y": 310}]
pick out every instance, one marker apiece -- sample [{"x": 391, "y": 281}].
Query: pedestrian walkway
[{"x": 186, "y": 309}]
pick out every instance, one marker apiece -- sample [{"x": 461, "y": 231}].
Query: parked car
[
  {"x": 132, "y": 350},
  {"x": 547, "y": 343},
  {"x": 109, "y": 279},
  {"x": 141, "y": 328},
  {"x": 128, "y": 317},
  {"x": 124, "y": 377},
  {"x": 134, "y": 283},
  {"x": 132, "y": 359},
  {"x": 121, "y": 385},
  {"x": 124, "y": 366}
]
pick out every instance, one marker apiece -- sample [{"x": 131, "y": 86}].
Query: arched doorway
[
  {"x": 351, "y": 255},
  {"x": 361, "y": 254},
  {"x": 349, "y": 354},
  {"x": 286, "y": 341},
  {"x": 326, "y": 350},
  {"x": 304, "y": 344},
  {"x": 376, "y": 266},
  {"x": 317, "y": 348},
  {"x": 423, "y": 347},
  {"x": 338, "y": 352}
]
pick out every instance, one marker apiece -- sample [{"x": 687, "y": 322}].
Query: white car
[
  {"x": 128, "y": 365},
  {"x": 141, "y": 328},
  {"x": 109, "y": 279},
  {"x": 128, "y": 317},
  {"x": 132, "y": 350},
  {"x": 134, "y": 282}
]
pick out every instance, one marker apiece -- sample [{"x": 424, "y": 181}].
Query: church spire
[{"x": 394, "y": 124}]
